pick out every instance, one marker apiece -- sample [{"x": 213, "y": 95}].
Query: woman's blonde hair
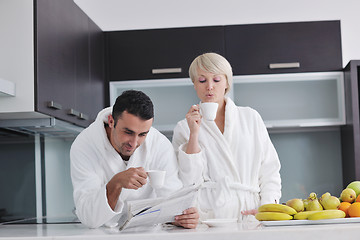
[{"x": 213, "y": 63}]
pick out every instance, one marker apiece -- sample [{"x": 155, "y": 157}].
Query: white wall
[
  {"x": 17, "y": 53},
  {"x": 113, "y": 15}
]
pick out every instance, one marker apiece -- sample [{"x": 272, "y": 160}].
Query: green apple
[{"x": 355, "y": 185}]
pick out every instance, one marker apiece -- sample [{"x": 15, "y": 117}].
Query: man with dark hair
[{"x": 109, "y": 160}]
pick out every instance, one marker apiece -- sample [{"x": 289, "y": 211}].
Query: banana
[
  {"x": 272, "y": 216},
  {"x": 303, "y": 215},
  {"x": 327, "y": 214},
  {"x": 274, "y": 207}
]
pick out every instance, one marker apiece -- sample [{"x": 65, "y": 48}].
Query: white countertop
[{"x": 250, "y": 230}]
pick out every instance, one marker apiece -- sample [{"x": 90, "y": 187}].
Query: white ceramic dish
[
  {"x": 311, "y": 222},
  {"x": 220, "y": 222}
]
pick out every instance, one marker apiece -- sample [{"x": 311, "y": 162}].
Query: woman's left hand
[{"x": 249, "y": 212}]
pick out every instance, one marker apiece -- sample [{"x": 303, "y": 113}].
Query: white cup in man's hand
[
  {"x": 156, "y": 178},
  {"x": 208, "y": 110}
]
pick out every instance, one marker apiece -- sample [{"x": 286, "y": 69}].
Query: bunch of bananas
[
  {"x": 274, "y": 212},
  {"x": 277, "y": 212}
]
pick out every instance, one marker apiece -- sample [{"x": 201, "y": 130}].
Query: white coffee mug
[
  {"x": 156, "y": 178},
  {"x": 208, "y": 110}
]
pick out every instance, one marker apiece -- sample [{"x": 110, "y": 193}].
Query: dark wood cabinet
[
  {"x": 159, "y": 53},
  {"x": 350, "y": 133},
  {"x": 70, "y": 77},
  {"x": 284, "y": 47}
]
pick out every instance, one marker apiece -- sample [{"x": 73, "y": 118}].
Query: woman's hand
[
  {"x": 193, "y": 119},
  {"x": 249, "y": 212}
]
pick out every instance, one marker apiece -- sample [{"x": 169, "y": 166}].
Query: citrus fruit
[
  {"x": 344, "y": 206},
  {"x": 358, "y": 198},
  {"x": 354, "y": 210}
]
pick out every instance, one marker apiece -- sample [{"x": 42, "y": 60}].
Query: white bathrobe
[
  {"x": 94, "y": 162},
  {"x": 239, "y": 169}
]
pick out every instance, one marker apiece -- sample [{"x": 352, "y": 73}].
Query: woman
[{"x": 232, "y": 156}]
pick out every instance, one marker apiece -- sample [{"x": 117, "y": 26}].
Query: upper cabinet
[
  {"x": 69, "y": 63},
  {"x": 284, "y": 47},
  {"x": 250, "y": 49},
  {"x": 159, "y": 53}
]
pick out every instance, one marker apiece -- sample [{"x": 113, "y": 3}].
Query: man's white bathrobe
[
  {"x": 94, "y": 162},
  {"x": 239, "y": 168}
]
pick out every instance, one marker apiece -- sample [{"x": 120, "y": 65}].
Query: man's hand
[
  {"x": 189, "y": 218},
  {"x": 133, "y": 178}
]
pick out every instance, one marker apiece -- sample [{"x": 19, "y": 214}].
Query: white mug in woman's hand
[
  {"x": 156, "y": 178},
  {"x": 208, "y": 110}
]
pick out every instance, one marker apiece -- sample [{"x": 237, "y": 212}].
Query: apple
[{"x": 355, "y": 185}]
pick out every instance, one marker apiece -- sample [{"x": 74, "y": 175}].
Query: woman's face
[{"x": 210, "y": 87}]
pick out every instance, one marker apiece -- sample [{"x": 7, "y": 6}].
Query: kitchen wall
[
  {"x": 17, "y": 63},
  {"x": 185, "y": 13}
]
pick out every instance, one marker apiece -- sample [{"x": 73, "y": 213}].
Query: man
[{"x": 109, "y": 160}]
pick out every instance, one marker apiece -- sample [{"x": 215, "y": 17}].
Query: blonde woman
[{"x": 232, "y": 156}]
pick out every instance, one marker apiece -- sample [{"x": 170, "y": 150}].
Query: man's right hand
[{"x": 133, "y": 178}]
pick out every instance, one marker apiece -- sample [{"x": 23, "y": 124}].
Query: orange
[
  {"x": 354, "y": 210},
  {"x": 344, "y": 206},
  {"x": 358, "y": 198}
]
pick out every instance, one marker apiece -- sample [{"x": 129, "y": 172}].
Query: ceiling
[{"x": 113, "y": 15}]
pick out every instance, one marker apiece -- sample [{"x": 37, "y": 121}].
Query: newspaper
[{"x": 158, "y": 210}]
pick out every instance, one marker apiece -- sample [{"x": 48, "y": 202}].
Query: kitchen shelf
[
  {"x": 285, "y": 101},
  {"x": 294, "y": 100},
  {"x": 7, "y": 88}
]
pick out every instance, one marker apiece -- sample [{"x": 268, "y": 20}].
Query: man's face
[{"x": 128, "y": 134}]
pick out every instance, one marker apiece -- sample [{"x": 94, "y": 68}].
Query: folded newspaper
[{"x": 158, "y": 210}]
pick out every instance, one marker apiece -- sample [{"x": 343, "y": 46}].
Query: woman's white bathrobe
[
  {"x": 239, "y": 168},
  {"x": 94, "y": 162}
]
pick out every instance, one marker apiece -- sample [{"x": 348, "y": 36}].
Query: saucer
[{"x": 220, "y": 222}]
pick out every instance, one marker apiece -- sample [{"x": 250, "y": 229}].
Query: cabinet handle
[
  {"x": 83, "y": 116},
  {"x": 284, "y": 65},
  {"x": 54, "y": 105},
  {"x": 166, "y": 70},
  {"x": 73, "y": 112}
]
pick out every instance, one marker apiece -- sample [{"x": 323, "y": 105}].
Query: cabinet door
[
  {"x": 350, "y": 133},
  {"x": 68, "y": 55},
  {"x": 141, "y": 54},
  {"x": 56, "y": 61},
  {"x": 284, "y": 47}
]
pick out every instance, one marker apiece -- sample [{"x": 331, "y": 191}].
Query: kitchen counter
[{"x": 248, "y": 230}]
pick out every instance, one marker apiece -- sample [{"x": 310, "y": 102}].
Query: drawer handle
[
  {"x": 54, "y": 105},
  {"x": 83, "y": 116},
  {"x": 284, "y": 65},
  {"x": 166, "y": 70},
  {"x": 73, "y": 112}
]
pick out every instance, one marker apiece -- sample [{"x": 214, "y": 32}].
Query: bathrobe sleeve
[
  {"x": 90, "y": 198},
  {"x": 192, "y": 166},
  {"x": 269, "y": 172}
]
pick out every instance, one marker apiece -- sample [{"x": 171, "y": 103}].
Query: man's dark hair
[{"x": 134, "y": 102}]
